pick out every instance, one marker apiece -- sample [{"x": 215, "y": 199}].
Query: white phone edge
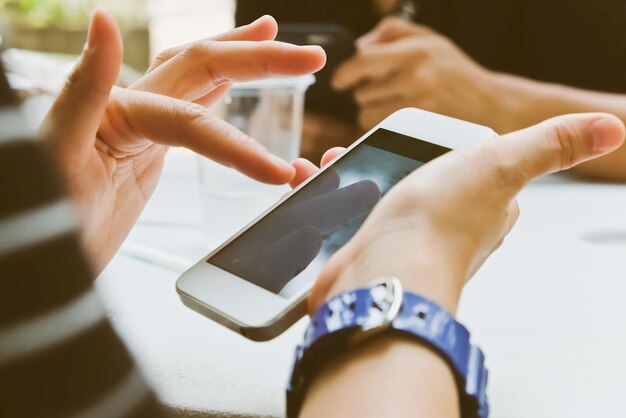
[{"x": 261, "y": 315}]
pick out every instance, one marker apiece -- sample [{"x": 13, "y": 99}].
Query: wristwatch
[{"x": 349, "y": 318}]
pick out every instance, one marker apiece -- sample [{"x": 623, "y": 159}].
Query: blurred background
[
  {"x": 41, "y": 38},
  {"x": 148, "y": 25}
]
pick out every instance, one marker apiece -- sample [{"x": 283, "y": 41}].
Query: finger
[
  {"x": 201, "y": 68},
  {"x": 379, "y": 61},
  {"x": 391, "y": 29},
  {"x": 304, "y": 169},
  {"x": 174, "y": 122},
  {"x": 556, "y": 144},
  {"x": 331, "y": 154},
  {"x": 74, "y": 119},
  {"x": 264, "y": 28}
]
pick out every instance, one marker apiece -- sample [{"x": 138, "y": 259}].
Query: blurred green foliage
[{"x": 69, "y": 14}]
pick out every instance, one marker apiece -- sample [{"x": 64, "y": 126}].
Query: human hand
[
  {"x": 436, "y": 227},
  {"x": 401, "y": 64},
  {"x": 110, "y": 143}
]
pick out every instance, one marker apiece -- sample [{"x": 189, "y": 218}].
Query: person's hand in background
[
  {"x": 110, "y": 142},
  {"x": 400, "y": 64},
  {"x": 433, "y": 230}
]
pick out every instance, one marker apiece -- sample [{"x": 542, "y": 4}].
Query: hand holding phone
[
  {"x": 257, "y": 283},
  {"x": 440, "y": 224}
]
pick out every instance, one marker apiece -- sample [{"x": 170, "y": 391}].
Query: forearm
[
  {"x": 523, "y": 102},
  {"x": 391, "y": 376},
  {"x": 387, "y": 377}
]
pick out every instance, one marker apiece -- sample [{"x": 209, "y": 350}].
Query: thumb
[
  {"x": 73, "y": 121},
  {"x": 554, "y": 145}
]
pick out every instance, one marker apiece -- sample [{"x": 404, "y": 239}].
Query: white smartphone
[{"x": 257, "y": 282}]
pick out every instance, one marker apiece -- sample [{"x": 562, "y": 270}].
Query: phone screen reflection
[{"x": 286, "y": 250}]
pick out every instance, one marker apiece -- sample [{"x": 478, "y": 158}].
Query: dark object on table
[
  {"x": 339, "y": 46},
  {"x": 351, "y": 18}
]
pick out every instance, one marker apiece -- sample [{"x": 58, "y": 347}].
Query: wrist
[
  {"x": 520, "y": 102},
  {"x": 503, "y": 103},
  {"x": 428, "y": 272},
  {"x": 350, "y": 333}
]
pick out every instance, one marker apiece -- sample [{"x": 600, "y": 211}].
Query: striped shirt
[{"x": 59, "y": 355}]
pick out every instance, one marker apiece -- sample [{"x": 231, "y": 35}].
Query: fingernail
[
  {"x": 92, "y": 34},
  {"x": 606, "y": 135}
]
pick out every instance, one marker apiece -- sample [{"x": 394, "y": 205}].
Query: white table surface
[{"x": 547, "y": 309}]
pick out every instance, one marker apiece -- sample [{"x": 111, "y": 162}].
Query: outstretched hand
[
  {"x": 436, "y": 227},
  {"x": 110, "y": 142}
]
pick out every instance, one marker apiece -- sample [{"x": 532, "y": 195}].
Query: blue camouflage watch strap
[{"x": 349, "y": 317}]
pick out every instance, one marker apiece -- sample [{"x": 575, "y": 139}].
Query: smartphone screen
[{"x": 287, "y": 249}]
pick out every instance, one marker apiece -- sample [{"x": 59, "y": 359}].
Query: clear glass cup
[{"x": 271, "y": 111}]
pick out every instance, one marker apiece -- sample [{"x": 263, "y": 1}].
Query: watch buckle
[{"x": 387, "y": 295}]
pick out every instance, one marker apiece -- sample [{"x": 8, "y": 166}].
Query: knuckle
[
  {"x": 72, "y": 83},
  {"x": 165, "y": 55},
  {"x": 204, "y": 52},
  {"x": 194, "y": 112},
  {"x": 199, "y": 50},
  {"x": 427, "y": 80},
  {"x": 565, "y": 134},
  {"x": 79, "y": 80}
]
